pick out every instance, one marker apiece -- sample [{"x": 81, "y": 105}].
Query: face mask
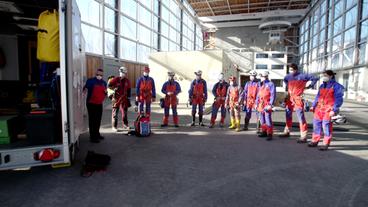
[
  {"x": 263, "y": 79},
  {"x": 252, "y": 78},
  {"x": 325, "y": 79},
  {"x": 171, "y": 78},
  {"x": 99, "y": 77},
  {"x": 232, "y": 83},
  {"x": 198, "y": 77},
  {"x": 293, "y": 72},
  {"x": 145, "y": 74},
  {"x": 122, "y": 75}
]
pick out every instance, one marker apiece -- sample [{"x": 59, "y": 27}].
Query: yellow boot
[
  {"x": 237, "y": 126},
  {"x": 232, "y": 124}
]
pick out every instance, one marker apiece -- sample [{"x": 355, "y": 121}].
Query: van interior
[{"x": 30, "y": 106}]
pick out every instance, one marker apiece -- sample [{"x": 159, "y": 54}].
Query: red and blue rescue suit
[
  {"x": 249, "y": 97},
  {"x": 120, "y": 99},
  {"x": 146, "y": 91},
  {"x": 329, "y": 98},
  {"x": 174, "y": 89},
  {"x": 220, "y": 92},
  {"x": 295, "y": 84},
  {"x": 198, "y": 96},
  {"x": 265, "y": 98}
]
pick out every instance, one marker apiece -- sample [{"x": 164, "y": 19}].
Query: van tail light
[{"x": 47, "y": 155}]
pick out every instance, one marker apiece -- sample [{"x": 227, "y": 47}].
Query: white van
[{"x": 63, "y": 118}]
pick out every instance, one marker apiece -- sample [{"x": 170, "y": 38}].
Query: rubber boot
[
  {"x": 237, "y": 125},
  {"x": 246, "y": 124},
  {"x": 285, "y": 134},
  {"x": 232, "y": 124},
  {"x": 193, "y": 120},
  {"x": 201, "y": 120}
]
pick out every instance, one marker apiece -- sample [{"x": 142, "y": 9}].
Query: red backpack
[{"x": 142, "y": 126}]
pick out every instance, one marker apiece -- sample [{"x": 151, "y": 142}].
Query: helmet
[
  {"x": 264, "y": 73},
  {"x": 170, "y": 73},
  {"x": 338, "y": 119},
  {"x": 123, "y": 69},
  {"x": 199, "y": 72},
  {"x": 253, "y": 73}
]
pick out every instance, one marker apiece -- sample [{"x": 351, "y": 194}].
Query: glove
[
  {"x": 268, "y": 108},
  {"x": 311, "y": 109},
  {"x": 332, "y": 113},
  {"x": 136, "y": 99},
  {"x": 170, "y": 93}
]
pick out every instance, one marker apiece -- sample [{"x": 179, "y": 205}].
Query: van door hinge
[{"x": 66, "y": 127}]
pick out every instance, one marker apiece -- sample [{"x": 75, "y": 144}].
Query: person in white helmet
[
  {"x": 265, "y": 99},
  {"x": 198, "y": 96},
  {"x": 171, "y": 89},
  {"x": 120, "y": 98},
  {"x": 233, "y": 103},
  {"x": 219, "y": 91},
  {"x": 249, "y": 96}
]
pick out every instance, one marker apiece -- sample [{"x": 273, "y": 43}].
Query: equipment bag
[
  {"x": 48, "y": 47},
  {"x": 162, "y": 103},
  {"x": 142, "y": 126}
]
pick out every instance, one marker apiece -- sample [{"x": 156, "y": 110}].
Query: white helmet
[
  {"x": 171, "y": 73},
  {"x": 253, "y": 73},
  {"x": 123, "y": 69},
  {"x": 264, "y": 73},
  {"x": 199, "y": 73}
]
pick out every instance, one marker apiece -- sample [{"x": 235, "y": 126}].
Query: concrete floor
[{"x": 201, "y": 167}]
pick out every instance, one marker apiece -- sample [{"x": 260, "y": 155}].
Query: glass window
[
  {"x": 350, "y": 3},
  {"x": 90, "y": 12},
  {"x": 335, "y": 61},
  {"x": 261, "y": 55},
  {"x": 172, "y": 46},
  {"x": 278, "y": 55},
  {"x": 172, "y": 34},
  {"x": 322, "y": 22},
  {"x": 144, "y": 35},
  {"x": 128, "y": 28},
  {"x": 339, "y": 8},
  {"x": 337, "y": 26},
  {"x": 174, "y": 8},
  {"x": 362, "y": 53},
  {"x": 111, "y": 3},
  {"x": 364, "y": 30},
  {"x": 351, "y": 17},
  {"x": 146, "y": 3},
  {"x": 110, "y": 42},
  {"x": 348, "y": 56},
  {"x": 128, "y": 49},
  {"x": 109, "y": 20},
  {"x": 154, "y": 40},
  {"x": 145, "y": 16},
  {"x": 164, "y": 44},
  {"x": 365, "y": 9},
  {"x": 277, "y": 67},
  {"x": 323, "y": 7},
  {"x": 349, "y": 37},
  {"x": 164, "y": 29},
  {"x": 143, "y": 53},
  {"x": 165, "y": 15},
  {"x": 156, "y": 6},
  {"x": 172, "y": 21},
  {"x": 155, "y": 23},
  {"x": 93, "y": 37},
  {"x": 261, "y": 67},
  {"x": 336, "y": 43},
  {"x": 322, "y": 36},
  {"x": 129, "y": 7},
  {"x": 315, "y": 41}
]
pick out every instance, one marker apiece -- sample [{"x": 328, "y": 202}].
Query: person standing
[
  {"x": 120, "y": 98},
  {"x": 96, "y": 93},
  {"x": 146, "y": 92},
  {"x": 249, "y": 96},
  {"x": 326, "y": 104},
  {"x": 295, "y": 85},
  {"x": 171, "y": 89},
  {"x": 198, "y": 97},
  {"x": 219, "y": 91},
  {"x": 264, "y": 102},
  {"x": 233, "y": 103}
]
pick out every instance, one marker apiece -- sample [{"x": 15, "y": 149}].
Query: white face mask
[
  {"x": 122, "y": 75},
  {"x": 252, "y": 78},
  {"x": 198, "y": 77},
  {"x": 325, "y": 79},
  {"x": 171, "y": 78},
  {"x": 293, "y": 72},
  {"x": 99, "y": 77},
  {"x": 145, "y": 73},
  {"x": 232, "y": 83},
  {"x": 263, "y": 79}
]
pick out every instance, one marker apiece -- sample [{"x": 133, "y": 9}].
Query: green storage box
[{"x": 8, "y": 128}]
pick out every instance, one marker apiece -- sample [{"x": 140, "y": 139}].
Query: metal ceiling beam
[
  {"x": 255, "y": 15},
  {"x": 253, "y": 23},
  {"x": 253, "y": 8},
  {"x": 209, "y": 6},
  {"x": 233, "y": 6},
  {"x": 205, "y": 2}
]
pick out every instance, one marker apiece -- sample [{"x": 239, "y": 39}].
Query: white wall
[{"x": 9, "y": 45}]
